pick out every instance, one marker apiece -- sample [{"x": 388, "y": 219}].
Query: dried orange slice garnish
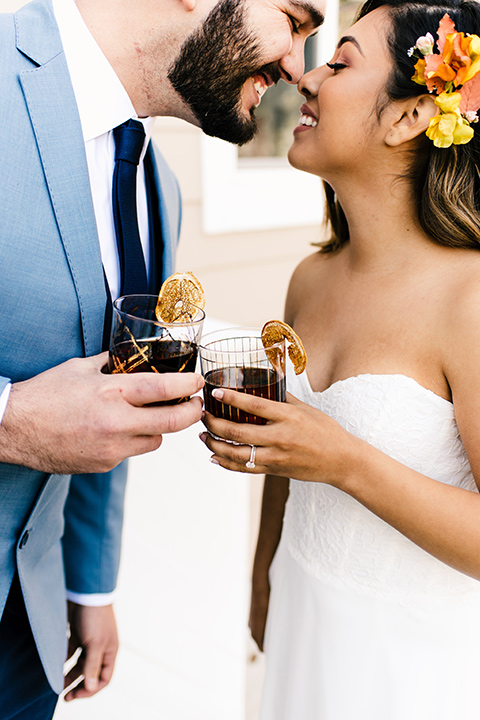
[
  {"x": 179, "y": 297},
  {"x": 275, "y": 331}
]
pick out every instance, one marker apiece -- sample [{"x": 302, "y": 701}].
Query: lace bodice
[{"x": 335, "y": 538}]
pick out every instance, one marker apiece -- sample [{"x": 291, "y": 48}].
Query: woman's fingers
[
  {"x": 248, "y": 403},
  {"x": 231, "y": 443},
  {"x": 247, "y": 433},
  {"x": 237, "y": 433},
  {"x": 238, "y": 458}
]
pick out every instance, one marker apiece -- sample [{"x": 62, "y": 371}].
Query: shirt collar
[{"x": 102, "y": 101}]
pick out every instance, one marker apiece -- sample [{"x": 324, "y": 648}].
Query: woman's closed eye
[{"x": 335, "y": 66}]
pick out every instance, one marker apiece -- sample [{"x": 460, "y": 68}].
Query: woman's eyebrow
[{"x": 351, "y": 39}]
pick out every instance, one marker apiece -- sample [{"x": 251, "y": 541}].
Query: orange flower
[
  {"x": 459, "y": 56},
  {"x": 437, "y": 73}
]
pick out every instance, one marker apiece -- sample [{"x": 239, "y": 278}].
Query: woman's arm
[
  {"x": 301, "y": 442},
  {"x": 275, "y": 494}
]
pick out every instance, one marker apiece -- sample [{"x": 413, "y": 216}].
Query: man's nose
[{"x": 292, "y": 65}]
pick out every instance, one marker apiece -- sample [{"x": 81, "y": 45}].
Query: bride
[{"x": 370, "y": 571}]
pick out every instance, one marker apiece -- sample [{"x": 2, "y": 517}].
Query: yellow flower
[
  {"x": 447, "y": 129},
  {"x": 474, "y": 46},
  {"x": 474, "y": 53},
  {"x": 463, "y": 133},
  {"x": 449, "y": 102},
  {"x": 440, "y": 130}
]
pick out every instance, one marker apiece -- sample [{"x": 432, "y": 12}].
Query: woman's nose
[{"x": 309, "y": 83}]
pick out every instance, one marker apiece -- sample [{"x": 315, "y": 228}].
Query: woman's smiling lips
[{"x": 307, "y": 120}]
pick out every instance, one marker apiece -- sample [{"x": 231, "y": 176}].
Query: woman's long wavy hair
[{"x": 445, "y": 181}]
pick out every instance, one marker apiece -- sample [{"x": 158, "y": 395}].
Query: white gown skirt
[{"x": 335, "y": 654}]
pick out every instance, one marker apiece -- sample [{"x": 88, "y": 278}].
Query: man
[{"x": 70, "y": 75}]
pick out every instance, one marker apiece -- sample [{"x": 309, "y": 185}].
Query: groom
[{"x": 71, "y": 74}]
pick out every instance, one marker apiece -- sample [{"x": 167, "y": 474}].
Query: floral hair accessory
[{"x": 452, "y": 74}]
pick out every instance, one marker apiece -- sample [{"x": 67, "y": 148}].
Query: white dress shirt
[{"x": 103, "y": 104}]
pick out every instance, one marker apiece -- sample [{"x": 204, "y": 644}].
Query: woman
[{"x": 374, "y": 609}]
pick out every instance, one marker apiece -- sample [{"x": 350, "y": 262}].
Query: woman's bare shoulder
[
  {"x": 460, "y": 293},
  {"x": 307, "y": 273},
  {"x": 458, "y": 303}
]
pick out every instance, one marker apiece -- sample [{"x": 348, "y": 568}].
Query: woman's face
[{"x": 339, "y": 128}]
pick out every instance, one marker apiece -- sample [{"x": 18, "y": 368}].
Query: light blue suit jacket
[{"x": 52, "y": 305}]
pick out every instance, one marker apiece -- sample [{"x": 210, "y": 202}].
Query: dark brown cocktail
[
  {"x": 262, "y": 382},
  {"x": 236, "y": 359},
  {"x": 141, "y": 343}
]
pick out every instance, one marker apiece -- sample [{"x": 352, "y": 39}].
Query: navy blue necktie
[{"x": 129, "y": 139}]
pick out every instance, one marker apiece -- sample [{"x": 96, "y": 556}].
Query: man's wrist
[
  {"x": 4, "y": 399},
  {"x": 91, "y": 599}
]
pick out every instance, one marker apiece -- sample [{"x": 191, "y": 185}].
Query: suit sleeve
[
  {"x": 93, "y": 531},
  {"x": 4, "y": 382}
]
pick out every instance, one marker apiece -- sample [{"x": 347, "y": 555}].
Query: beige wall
[{"x": 245, "y": 275}]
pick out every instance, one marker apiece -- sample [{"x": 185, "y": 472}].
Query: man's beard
[{"x": 212, "y": 67}]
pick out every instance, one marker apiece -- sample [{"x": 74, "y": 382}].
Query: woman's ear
[{"x": 412, "y": 118}]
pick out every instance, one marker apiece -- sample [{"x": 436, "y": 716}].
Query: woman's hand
[{"x": 298, "y": 441}]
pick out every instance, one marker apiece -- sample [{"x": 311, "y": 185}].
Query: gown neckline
[{"x": 361, "y": 376}]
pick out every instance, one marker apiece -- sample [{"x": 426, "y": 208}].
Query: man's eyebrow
[
  {"x": 351, "y": 39},
  {"x": 316, "y": 16}
]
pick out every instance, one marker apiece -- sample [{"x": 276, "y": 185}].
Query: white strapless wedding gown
[{"x": 363, "y": 624}]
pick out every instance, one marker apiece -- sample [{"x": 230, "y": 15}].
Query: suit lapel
[
  {"x": 169, "y": 209},
  {"x": 53, "y": 112}
]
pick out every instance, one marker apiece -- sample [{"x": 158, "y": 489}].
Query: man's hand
[
  {"x": 92, "y": 630},
  {"x": 75, "y": 419}
]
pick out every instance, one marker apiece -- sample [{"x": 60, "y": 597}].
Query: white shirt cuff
[
  {"x": 4, "y": 399},
  {"x": 92, "y": 599}
]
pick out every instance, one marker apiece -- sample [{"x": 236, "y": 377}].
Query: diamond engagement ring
[{"x": 251, "y": 463}]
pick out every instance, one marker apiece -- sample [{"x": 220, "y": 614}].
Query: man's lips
[
  {"x": 264, "y": 78},
  {"x": 261, "y": 82}
]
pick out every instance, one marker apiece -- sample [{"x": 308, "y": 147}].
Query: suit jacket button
[{"x": 24, "y": 539}]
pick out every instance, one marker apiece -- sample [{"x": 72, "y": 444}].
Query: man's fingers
[
  {"x": 145, "y": 388},
  {"x": 73, "y": 675},
  {"x": 156, "y": 421},
  {"x": 108, "y": 666},
  {"x": 90, "y": 666},
  {"x": 99, "y": 361},
  {"x": 184, "y": 415}
]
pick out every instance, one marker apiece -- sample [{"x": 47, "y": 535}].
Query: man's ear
[{"x": 411, "y": 120}]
